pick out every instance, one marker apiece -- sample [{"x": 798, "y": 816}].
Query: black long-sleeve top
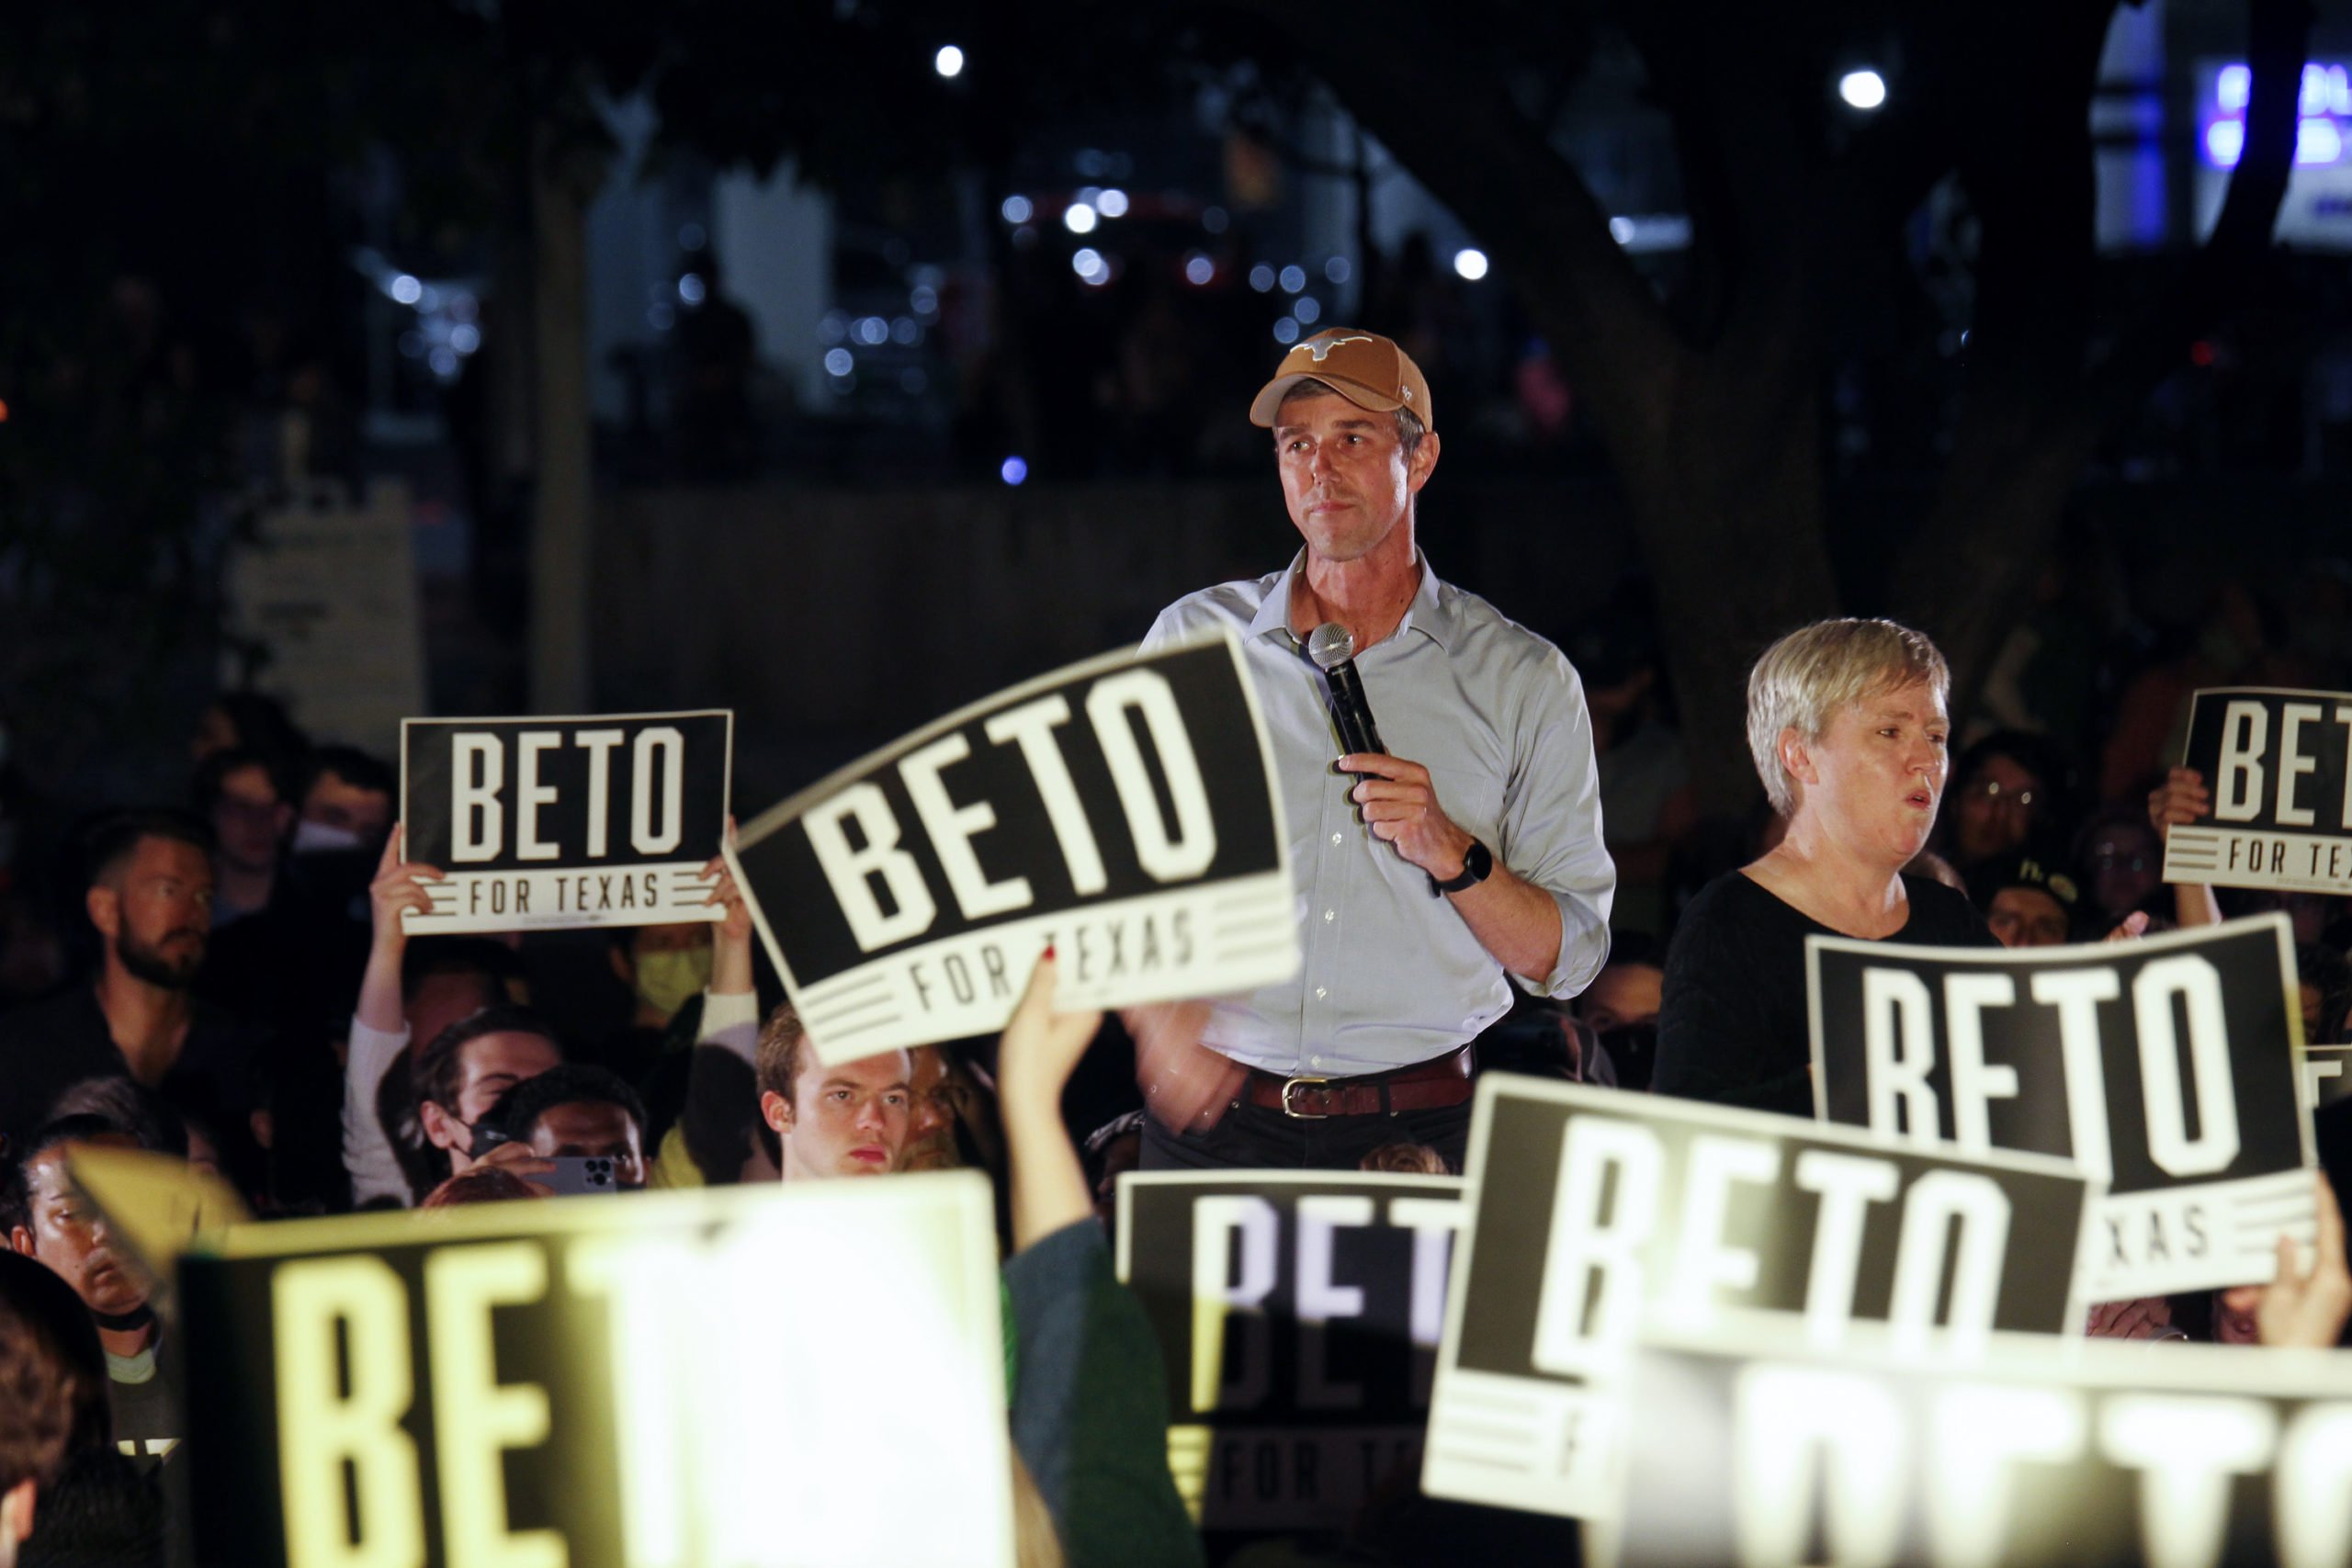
[{"x": 1733, "y": 1026}]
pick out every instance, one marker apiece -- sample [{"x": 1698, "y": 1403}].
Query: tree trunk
[
  {"x": 1714, "y": 421},
  {"x": 1966, "y": 578},
  {"x": 1719, "y": 452},
  {"x": 2035, "y": 413},
  {"x": 1730, "y": 526}
]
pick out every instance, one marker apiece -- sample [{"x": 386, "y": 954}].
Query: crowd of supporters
[{"x": 229, "y": 980}]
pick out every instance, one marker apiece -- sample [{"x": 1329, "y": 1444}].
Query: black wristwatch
[{"x": 1477, "y": 864}]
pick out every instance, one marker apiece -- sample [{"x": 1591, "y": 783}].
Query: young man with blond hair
[{"x": 848, "y": 1120}]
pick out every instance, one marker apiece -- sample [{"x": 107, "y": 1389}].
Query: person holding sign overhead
[
  {"x": 1431, "y": 869},
  {"x": 1846, "y": 722},
  {"x": 2182, "y": 798}
]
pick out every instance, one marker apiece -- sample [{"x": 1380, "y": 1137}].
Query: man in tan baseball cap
[
  {"x": 1424, "y": 890},
  {"x": 1368, "y": 370}
]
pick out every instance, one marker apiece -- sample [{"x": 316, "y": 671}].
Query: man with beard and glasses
[
  {"x": 45, "y": 1218},
  {"x": 150, "y": 897}
]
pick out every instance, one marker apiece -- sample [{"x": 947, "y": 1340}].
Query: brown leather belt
[{"x": 1425, "y": 1086}]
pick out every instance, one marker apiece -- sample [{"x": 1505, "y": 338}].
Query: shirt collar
[
  {"x": 1430, "y": 614},
  {"x": 136, "y": 1369},
  {"x": 1273, "y": 612}
]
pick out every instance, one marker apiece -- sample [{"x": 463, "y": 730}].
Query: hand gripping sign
[
  {"x": 748, "y": 1377},
  {"x": 1751, "y": 1449},
  {"x": 2168, "y": 1068},
  {"x": 2279, "y": 766},
  {"x": 1121, "y": 810},
  {"x": 1297, "y": 1315},
  {"x": 546, "y": 823},
  {"x": 1595, "y": 1211}
]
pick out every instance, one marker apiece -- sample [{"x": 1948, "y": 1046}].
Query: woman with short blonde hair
[
  {"x": 1811, "y": 673},
  {"x": 1847, "y": 721}
]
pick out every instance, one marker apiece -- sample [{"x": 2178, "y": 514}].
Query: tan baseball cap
[{"x": 1367, "y": 369}]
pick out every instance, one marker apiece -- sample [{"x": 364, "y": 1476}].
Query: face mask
[
  {"x": 312, "y": 837},
  {"x": 665, "y": 980},
  {"x": 137, "y": 1317}
]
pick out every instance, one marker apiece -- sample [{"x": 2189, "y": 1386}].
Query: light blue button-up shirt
[{"x": 1391, "y": 974}]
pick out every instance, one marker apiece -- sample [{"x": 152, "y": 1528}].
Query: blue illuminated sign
[{"x": 2325, "y": 110}]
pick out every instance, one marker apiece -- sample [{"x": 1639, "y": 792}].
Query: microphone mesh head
[{"x": 1330, "y": 644}]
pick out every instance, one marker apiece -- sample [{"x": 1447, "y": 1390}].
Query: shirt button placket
[{"x": 1321, "y": 955}]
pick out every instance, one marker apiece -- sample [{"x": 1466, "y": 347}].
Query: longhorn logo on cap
[{"x": 1316, "y": 350}]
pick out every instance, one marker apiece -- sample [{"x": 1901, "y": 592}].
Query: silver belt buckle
[{"x": 1290, "y": 1084}]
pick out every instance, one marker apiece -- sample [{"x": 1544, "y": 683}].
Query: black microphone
[{"x": 1333, "y": 648}]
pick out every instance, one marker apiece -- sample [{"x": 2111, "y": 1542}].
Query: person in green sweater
[
  {"x": 1089, "y": 1409},
  {"x": 1089, "y": 1406}
]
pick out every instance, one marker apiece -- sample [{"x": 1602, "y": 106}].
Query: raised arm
[
  {"x": 380, "y": 1026},
  {"x": 730, "y": 1006},
  {"x": 1035, "y": 1059},
  {"x": 721, "y": 1113},
  {"x": 1089, "y": 1408},
  {"x": 2183, "y": 797}
]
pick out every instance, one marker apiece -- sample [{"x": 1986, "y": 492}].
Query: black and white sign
[
  {"x": 2166, "y": 1067},
  {"x": 1298, "y": 1316},
  {"x": 2327, "y": 1074},
  {"x": 543, "y": 823},
  {"x": 2047, "y": 1455},
  {"x": 2279, "y": 766},
  {"x": 749, "y": 1377},
  {"x": 1121, "y": 810},
  {"x": 1594, "y": 1211}
]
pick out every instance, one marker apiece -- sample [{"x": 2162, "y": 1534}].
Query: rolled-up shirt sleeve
[
  {"x": 1551, "y": 823},
  {"x": 730, "y": 1020}
]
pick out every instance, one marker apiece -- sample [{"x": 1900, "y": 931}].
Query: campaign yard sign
[
  {"x": 1298, "y": 1316},
  {"x": 662, "y": 1380},
  {"x": 1595, "y": 1211},
  {"x": 2279, "y": 766},
  {"x": 2326, "y": 1076},
  {"x": 1121, "y": 810},
  {"x": 547, "y": 823},
  {"x": 1753, "y": 1450},
  {"x": 2168, "y": 1068}
]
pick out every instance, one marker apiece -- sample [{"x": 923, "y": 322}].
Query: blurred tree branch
[{"x": 1710, "y": 402}]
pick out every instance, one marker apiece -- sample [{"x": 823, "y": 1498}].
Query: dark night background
[
  {"x": 841, "y": 361},
  {"x": 612, "y": 357}
]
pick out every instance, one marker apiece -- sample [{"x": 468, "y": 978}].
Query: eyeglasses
[
  {"x": 2119, "y": 860},
  {"x": 1999, "y": 795}
]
